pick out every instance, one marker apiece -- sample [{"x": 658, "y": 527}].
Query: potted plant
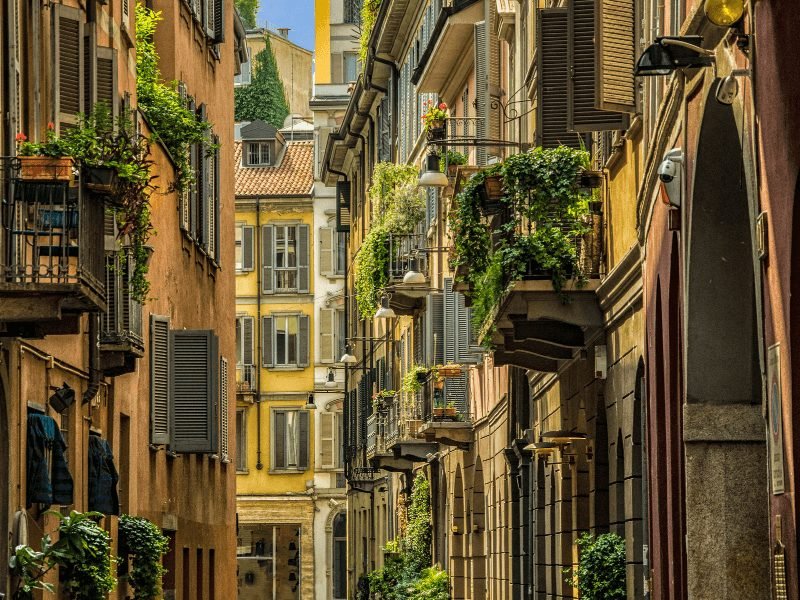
[
  {"x": 453, "y": 160},
  {"x": 491, "y": 192},
  {"x": 445, "y": 412},
  {"x": 433, "y": 120},
  {"x": 382, "y": 399},
  {"x": 49, "y": 160},
  {"x": 414, "y": 379}
]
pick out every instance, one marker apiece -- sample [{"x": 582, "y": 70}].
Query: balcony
[
  {"x": 407, "y": 252},
  {"x": 397, "y": 442},
  {"x": 246, "y": 382},
  {"x": 53, "y": 262},
  {"x": 121, "y": 336},
  {"x": 447, "y": 423}
]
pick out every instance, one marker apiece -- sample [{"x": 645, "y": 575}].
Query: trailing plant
[
  {"x": 433, "y": 113},
  {"x": 82, "y": 553},
  {"x": 415, "y": 545},
  {"x": 265, "y": 97},
  {"x": 371, "y": 270},
  {"x": 173, "y": 124},
  {"x": 411, "y": 380},
  {"x": 369, "y": 14},
  {"x": 144, "y": 541},
  {"x": 600, "y": 574}
]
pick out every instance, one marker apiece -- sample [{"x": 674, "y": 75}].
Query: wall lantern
[
  {"x": 564, "y": 437},
  {"x": 542, "y": 449},
  {"x": 330, "y": 380},
  {"x": 62, "y": 398},
  {"x": 724, "y": 13},
  {"x": 413, "y": 276},
  {"x": 347, "y": 357},
  {"x": 310, "y": 403},
  {"x": 669, "y": 53},
  {"x": 385, "y": 311},
  {"x": 432, "y": 175}
]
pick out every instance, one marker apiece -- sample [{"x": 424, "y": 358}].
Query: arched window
[{"x": 339, "y": 566}]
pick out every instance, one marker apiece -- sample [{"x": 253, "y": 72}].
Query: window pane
[
  {"x": 280, "y": 340},
  {"x": 291, "y": 340},
  {"x": 291, "y": 438},
  {"x": 280, "y": 247},
  {"x": 291, "y": 246},
  {"x": 350, "y": 67},
  {"x": 341, "y": 252},
  {"x": 238, "y": 248}
]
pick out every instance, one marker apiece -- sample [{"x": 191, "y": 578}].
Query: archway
[
  {"x": 478, "y": 533},
  {"x": 457, "y": 559},
  {"x": 339, "y": 556},
  {"x": 599, "y": 466}
]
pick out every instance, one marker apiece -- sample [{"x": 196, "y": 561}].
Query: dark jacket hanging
[
  {"x": 48, "y": 477},
  {"x": 103, "y": 477}
]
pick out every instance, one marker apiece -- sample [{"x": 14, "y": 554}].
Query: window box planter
[
  {"x": 491, "y": 195},
  {"x": 449, "y": 371},
  {"x": 590, "y": 179},
  {"x": 100, "y": 179},
  {"x": 45, "y": 168},
  {"x": 445, "y": 412}
]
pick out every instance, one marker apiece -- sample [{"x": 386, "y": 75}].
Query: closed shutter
[
  {"x": 303, "y": 259},
  {"x": 219, "y": 21},
  {"x": 551, "y": 118},
  {"x": 247, "y": 340},
  {"x": 615, "y": 41},
  {"x": 303, "y": 341},
  {"x": 455, "y": 388},
  {"x": 492, "y": 58},
  {"x": 209, "y": 14},
  {"x": 106, "y": 80},
  {"x": 327, "y": 451},
  {"x": 581, "y": 97},
  {"x": 279, "y": 435},
  {"x": 197, "y": 9},
  {"x": 481, "y": 89},
  {"x": 343, "y": 206},
  {"x": 303, "y": 439},
  {"x": 194, "y": 391},
  {"x": 434, "y": 330},
  {"x": 89, "y": 71},
  {"x": 70, "y": 75},
  {"x": 267, "y": 337},
  {"x": 211, "y": 203},
  {"x": 248, "y": 238},
  {"x": 326, "y": 247},
  {"x": 327, "y": 337},
  {"x": 267, "y": 259},
  {"x": 223, "y": 410},
  {"x": 159, "y": 380}
]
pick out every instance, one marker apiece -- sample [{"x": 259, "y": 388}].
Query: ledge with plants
[
  {"x": 545, "y": 215},
  {"x": 415, "y": 378}
]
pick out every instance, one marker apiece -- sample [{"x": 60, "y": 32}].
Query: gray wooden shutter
[
  {"x": 327, "y": 435},
  {"x": 159, "y": 380},
  {"x": 126, "y": 13},
  {"x": 616, "y": 47},
  {"x": 267, "y": 349},
  {"x": 551, "y": 117},
  {"x": 194, "y": 391},
  {"x": 303, "y": 259},
  {"x": 69, "y": 66},
  {"x": 247, "y": 247},
  {"x": 492, "y": 58},
  {"x": 208, "y": 17},
  {"x": 481, "y": 89},
  {"x": 267, "y": 259},
  {"x": 223, "y": 410},
  {"x": 326, "y": 250},
  {"x": 327, "y": 338},
  {"x": 106, "y": 78},
  {"x": 219, "y": 21},
  {"x": 455, "y": 388},
  {"x": 581, "y": 98},
  {"x": 302, "y": 439},
  {"x": 279, "y": 435},
  {"x": 302, "y": 341},
  {"x": 434, "y": 329},
  {"x": 247, "y": 340}
]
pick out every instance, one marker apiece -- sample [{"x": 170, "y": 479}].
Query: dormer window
[{"x": 258, "y": 154}]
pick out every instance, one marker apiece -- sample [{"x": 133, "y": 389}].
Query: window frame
[
  {"x": 241, "y": 441},
  {"x": 297, "y": 467},
  {"x": 263, "y": 148},
  {"x": 288, "y": 250}
]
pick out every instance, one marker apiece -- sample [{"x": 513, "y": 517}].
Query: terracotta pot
[
  {"x": 45, "y": 168},
  {"x": 449, "y": 371},
  {"x": 445, "y": 411}
]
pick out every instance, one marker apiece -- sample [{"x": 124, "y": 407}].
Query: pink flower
[
  {"x": 21, "y": 137},
  {"x": 443, "y": 106}
]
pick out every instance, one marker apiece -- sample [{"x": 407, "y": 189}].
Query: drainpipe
[
  {"x": 95, "y": 375},
  {"x": 259, "y": 271}
]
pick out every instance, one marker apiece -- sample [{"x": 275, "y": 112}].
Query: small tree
[
  {"x": 600, "y": 574},
  {"x": 264, "y": 99},
  {"x": 248, "y": 9}
]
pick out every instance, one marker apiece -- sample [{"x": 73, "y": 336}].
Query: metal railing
[
  {"x": 405, "y": 251},
  {"x": 403, "y": 419},
  {"x": 122, "y": 320},
  {"x": 245, "y": 378},
  {"x": 449, "y": 404}
]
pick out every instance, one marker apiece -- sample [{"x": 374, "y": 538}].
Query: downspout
[
  {"x": 95, "y": 375},
  {"x": 259, "y": 271}
]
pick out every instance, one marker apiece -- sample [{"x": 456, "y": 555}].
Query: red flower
[
  {"x": 443, "y": 106},
  {"x": 21, "y": 137},
  {"x": 50, "y": 126}
]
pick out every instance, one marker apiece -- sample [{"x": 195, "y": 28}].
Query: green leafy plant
[
  {"x": 433, "y": 584},
  {"x": 265, "y": 97},
  {"x": 369, "y": 14},
  {"x": 144, "y": 541},
  {"x": 371, "y": 270},
  {"x": 452, "y": 158},
  {"x": 434, "y": 113},
  {"x": 82, "y": 553},
  {"x": 52, "y": 146},
  {"x": 248, "y": 9},
  {"x": 411, "y": 380},
  {"x": 600, "y": 574}
]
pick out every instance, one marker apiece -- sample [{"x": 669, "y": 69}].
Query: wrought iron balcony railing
[
  {"x": 122, "y": 321},
  {"x": 407, "y": 251},
  {"x": 246, "y": 378}
]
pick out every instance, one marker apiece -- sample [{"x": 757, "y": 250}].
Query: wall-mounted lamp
[
  {"x": 330, "y": 380},
  {"x": 310, "y": 402},
  {"x": 669, "y": 53},
  {"x": 728, "y": 87},
  {"x": 563, "y": 437},
  {"x": 542, "y": 449},
  {"x": 62, "y": 398},
  {"x": 432, "y": 176},
  {"x": 724, "y": 13},
  {"x": 385, "y": 311},
  {"x": 413, "y": 276},
  {"x": 347, "y": 357}
]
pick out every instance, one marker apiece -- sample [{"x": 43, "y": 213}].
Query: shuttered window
[
  {"x": 219, "y": 21},
  {"x": 193, "y": 378},
  {"x": 290, "y": 439},
  {"x": 241, "y": 440},
  {"x": 285, "y": 340},
  {"x": 457, "y": 344},
  {"x": 328, "y": 440},
  {"x": 244, "y": 257},
  {"x": 69, "y": 61},
  {"x": 582, "y": 114},
  {"x": 209, "y": 16},
  {"x": 106, "y": 78},
  {"x": 223, "y": 410},
  {"x": 244, "y": 340},
  {"x": 285, "y": 255},
  {"x": 434, "y": 330},
  {"x": 481, "y": 89},
  {"x": 615, "y": 41},
  {"x": 326, "y": 250},
  {"x": 159, "y": 380},
  {"x": 327, "y": 335}
]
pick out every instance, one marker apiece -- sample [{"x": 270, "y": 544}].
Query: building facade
[
  {"x": 290, "y": 492},
  {"x": 70, "y": 326},
  {"x": 633, "y": 403}
]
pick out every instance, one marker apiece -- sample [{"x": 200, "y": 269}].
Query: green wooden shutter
[
  {"x": 551, "y": 116},
  {"x": 248, "y": 234},
  {"x": 208, "y": 17},
  {"x": 223, "y": 410},
  {"x": 327, "y": 337},
  {"x": 193, "y": 381},
  {"x": 267, "y": 259},
  {"x": 219, "y": 21},
  {"x": 247, "y": 340},
  {"x": 267, "y": 349},
  {"x": 303, "y": 259},
  {"x": 303, "y": 439},
  {"x": 279, "y": 437},
  {"x": 481, "y": 89},
  {"x": 159, "y": 380},
  {"x": 303, "y": 340},
  {"x": 582, "y": 114},
  {"x": 615, "y": 41},
  {"x": 326, "y": 250}
]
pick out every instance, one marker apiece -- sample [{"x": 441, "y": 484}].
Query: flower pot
[
  {"x": 590, "y": 179},
  {"x": 436, "y": 130},
  {"x": 100, "y": 179},
  {"x": 448, "y": 412},
  {"x": 45, "y": 168},
  {"x": 422, "y": 376},
  {"x": 449, "y": 371},
  {"x": 491, "y": 194}
]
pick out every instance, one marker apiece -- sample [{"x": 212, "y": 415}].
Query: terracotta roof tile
[{"x": 293, "y": 176}]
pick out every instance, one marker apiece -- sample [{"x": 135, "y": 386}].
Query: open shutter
[
  {"x": 159, "y": 380},
  {"x": 616, "y": 47},
  {"x": 327, "y": 450},
  {"x": 302, "y": 341},
  {"x": 303, "y": 259},
  {"x": 194, "y": 390},
  {"x": 492, "y": 58},
  {"x": 481, "y": 89},
  {"x": 247, "y": 340},
  {"x": 434, "y": 330},
  {"x": 551, "y": 117},
  {"x": 455, "y": 388},
  {"x": 248, "y": 236},
  {"x": 326, "y": 246},
  {"x": 223, "y": 410},
  {"x": 267, "y": 259},
  {"x": 210, "y": 203},
  {"x": 343, "y": 206},
  {"x": 303, "y": 439},
  {"x": 327, "y": 339},
  {"x": 581, "y": 97},
  {"x": 219, "y": 21},
  {"x": 267, "y": 349},
  {"x": 279, "y": 445},
  {"x": 106, "y": 78},
  {"x": 217, "y": 197},
  {"x": 69, "y": 71},
  {"x": 209, "y": 12}
]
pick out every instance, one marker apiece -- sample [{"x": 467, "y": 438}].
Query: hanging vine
[{"x": 142, "y": 540}]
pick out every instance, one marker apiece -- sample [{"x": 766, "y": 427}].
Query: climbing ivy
[
  {"x": 600, "y": 574},
  {"x": 264, "y": 98},
  {"x": 369, "y": 14},
  {"x": 143, "y": 540}
]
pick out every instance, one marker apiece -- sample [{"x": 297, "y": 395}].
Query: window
[
  {"x": 258, "y": 154},
  {"x": 341, "y": 253},
  {"x": 245, "y": 77},
  {"x": 290, "y": 439},
  {"x": 268, "y": 560},
  {"x": 352, "y": 11},
  {"x": 331, "y": 334},
  {"x": 241, "y": 440},
  {"x": 285, "y": 340},
  {"x": 244, "y": 340},
  {"x": 330, "y": 435},
  {"x": 332, "y": 251},
  {"x": 339, "y": 571},
  {"x": 243, "y": 252},
  {"x": 350, "y": 69},
  {"x": 285, "y": 259}
]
